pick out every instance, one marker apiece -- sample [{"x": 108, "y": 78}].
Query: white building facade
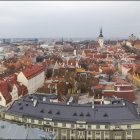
[{"x": 32, "y": 77}]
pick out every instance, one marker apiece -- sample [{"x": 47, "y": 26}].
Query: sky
[{"x": 44, "y": 19}]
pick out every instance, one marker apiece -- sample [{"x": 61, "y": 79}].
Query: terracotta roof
[
  {"x": 4, "y": 91},
  {"x": 137, "y": 44},
  {"x": 32, "y": 70}
]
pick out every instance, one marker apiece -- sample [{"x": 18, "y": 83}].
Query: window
[
  {"x": 117, "y": 133},
  {"x": 55, "y": 124},
  {"x": 128, "y": 126},
  {"x": 47, "y": 123},
  {"x": 63, "y": 131},
  {"x": 63, "y": 137},
  {"x": 128, "y": 132},
  {"x": 89, "y": 132},
  {"x": 129, "y": 138},
  {"x": 16, "y": 118},
  {"x": 0, "y": 98},
  {"x": 25, "y": 120},
  {"x": 72, "y": 131},
  {"x": 97, "y": 126},
  {"x": 72, "y": 125},
  {"x": 89, "y": 126},
  {"x": 106, "y": 132},
  {"x": 80, "y": 132},
  {"x": 63, "y": 124},
  {"x": 72, "y": 138},
  {"x": 117, "y": 126},
  {"x": 55, "y": 130},
  {"x": 32, "y": 121},
  {"x": 98, "y": 133},
  {"x": 80, "y": 125},
  {"x": 106, "y": 126},
  {"x": 40, "y": 122}
]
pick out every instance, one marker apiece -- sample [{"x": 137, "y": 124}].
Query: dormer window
[
  {"x": 81, "y": 114},
  {"x": 75, "y": 114},
  {"x": 88, "y": 115}
]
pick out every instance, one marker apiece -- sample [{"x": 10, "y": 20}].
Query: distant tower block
[{"x": 101, "y": 39}]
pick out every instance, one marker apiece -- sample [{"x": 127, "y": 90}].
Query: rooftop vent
[
  {"x": 35, "y": 103},
  {"x": 75, "y": 114}
]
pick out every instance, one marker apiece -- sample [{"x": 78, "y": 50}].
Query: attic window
[
  {"x": 42, "y": 111},
  {"x": 75, "y": 114},
  {"x": 58, "y": 112},
  {"x": 105, "y": 115},
  {"x": 19, "y": 103},
  {"x": 50, "y": 112},
  {"x": 21, "y": 108},
  {"x": 81, "y": 114},
  {"x": 88, "y": 115}
]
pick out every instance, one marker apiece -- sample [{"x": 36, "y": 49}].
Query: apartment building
[{"x": 115, "y": 119}]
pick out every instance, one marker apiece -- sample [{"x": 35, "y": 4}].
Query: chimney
[
  {"x": 34, "y": 102},
  {"x": 123, "y": 103},
  {"x": 93, "y": 102},
  {"x": 44, "y": 99}
]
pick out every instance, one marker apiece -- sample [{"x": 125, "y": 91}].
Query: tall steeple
[
  {"x": 101, "y": 39},
  {"x": 101, "y": 33}
]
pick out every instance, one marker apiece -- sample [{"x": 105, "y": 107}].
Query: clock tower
[{"x": 101, "y": 39}]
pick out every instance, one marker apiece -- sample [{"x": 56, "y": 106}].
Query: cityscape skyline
[{"x": 69, "y": 19}]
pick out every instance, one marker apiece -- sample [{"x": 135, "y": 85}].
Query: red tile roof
[
  {"x": 32, "y": 71},
  {"x": 4, "y": 91}
]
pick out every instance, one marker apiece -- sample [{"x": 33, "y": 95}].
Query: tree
[
  {"x": 84, "y": 65},
  {"x": 82, "y": 86},
  {"x": 98, "y": 92},
  {"x": 12, "y": 69},
  {"x": 49, "y": 73},
  {"x": 109, "y": 73}
]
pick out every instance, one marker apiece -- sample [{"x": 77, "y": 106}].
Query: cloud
[{"x": 69, "y": 18}]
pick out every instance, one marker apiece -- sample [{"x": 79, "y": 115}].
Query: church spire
[
  {"x": 101, "y": 30},
  {"x": 101, "y": 33}
]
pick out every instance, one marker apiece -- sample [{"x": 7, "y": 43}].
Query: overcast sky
[{"x": 69, "y": 18}]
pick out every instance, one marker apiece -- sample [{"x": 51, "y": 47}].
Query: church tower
[{"x": 101, "y": 39}]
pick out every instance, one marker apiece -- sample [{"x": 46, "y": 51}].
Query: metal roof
[
  {"x": 14, "y": 131},
  {"x": 120, "y": 112}
]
